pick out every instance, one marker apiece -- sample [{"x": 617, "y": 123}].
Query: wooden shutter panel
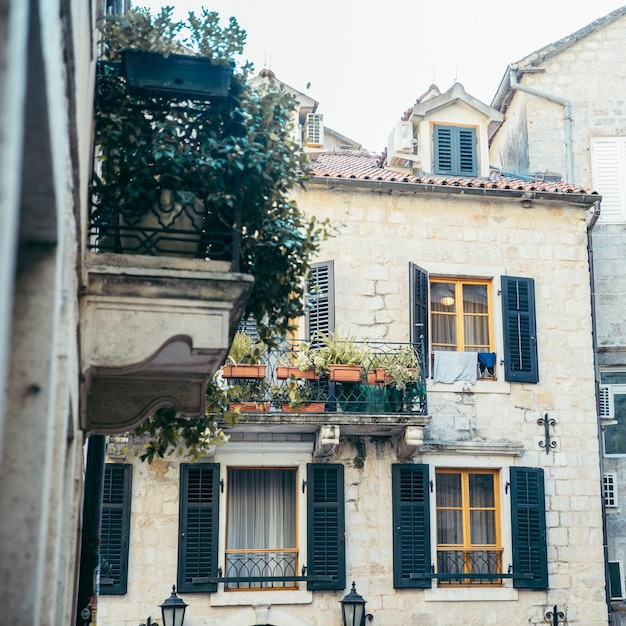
[
  {"x": 443, "y": 162},
  {"x": 455, "y": 151},
  {"x": 115, "y": 529},
  {"x": 198, "y": 526},
  {"x": 419, "y": 314},
  {"x": 520, "y": 331},
  {"x": 321, "y": 299},
  {"x": 467, "y": 162},
  {"x": 326, "y": 525},
  {"x": 528, "y": 520},
  {"x": 411, "y": 525}
]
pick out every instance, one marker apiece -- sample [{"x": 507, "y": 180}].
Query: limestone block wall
[{"x": 492, "y": 424}]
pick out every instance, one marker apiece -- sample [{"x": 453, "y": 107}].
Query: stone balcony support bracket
[
  {"x": 153, "y": 330},
  {"x": 326, "y": 441},
  {"x": 409, "y": 441}
]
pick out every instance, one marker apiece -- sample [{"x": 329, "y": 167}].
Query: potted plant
[
  {"x": 343, "y": 357},
  {"x": 245, "y": 358},
  {"x": 298, "y": 364},
  {"x": 249, "y": 396},
  {"x": 299, "y": 396}
]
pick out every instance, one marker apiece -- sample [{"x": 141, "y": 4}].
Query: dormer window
[
  {"x": 455, "y": 151},
  {"x": 314, "y": 130}
]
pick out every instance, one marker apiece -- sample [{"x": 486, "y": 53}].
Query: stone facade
[
  {"x": 584, "y": 69},
  {"x": 487, "y": 425}
]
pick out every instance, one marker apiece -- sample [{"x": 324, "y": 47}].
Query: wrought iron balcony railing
[
  {"x": 469, "y": 567},
  {"x": 388, "y": 380},
  {"x": 261, "y": 569}
]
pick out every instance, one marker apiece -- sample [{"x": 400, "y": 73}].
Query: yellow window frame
[
  {"x": 460, "y": 314},
  {"x": 467, "y": 547}
]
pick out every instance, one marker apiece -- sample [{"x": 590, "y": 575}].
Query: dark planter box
[{"x": 175, "y": 76}]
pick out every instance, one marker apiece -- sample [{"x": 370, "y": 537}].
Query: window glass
[
  {"x": 613, "y": 378},
  {"x": 615, "y": 434},
  {"x": 261, "y": 525},
  {"x": 460, "y": 315},
  {"x": 467, "y": 526}
]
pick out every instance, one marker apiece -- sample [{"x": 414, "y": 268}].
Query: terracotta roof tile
[{"x": 368, "y": 167}]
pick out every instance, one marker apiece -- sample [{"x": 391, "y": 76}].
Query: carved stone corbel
[
  {"x": 409, "y": 441},
  {"x": 326, "y": 441}
]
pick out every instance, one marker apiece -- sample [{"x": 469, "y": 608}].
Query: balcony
[{"x": 384, "y": 398}]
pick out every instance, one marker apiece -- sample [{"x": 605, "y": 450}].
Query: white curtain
[{"x": 261, "y": 509}]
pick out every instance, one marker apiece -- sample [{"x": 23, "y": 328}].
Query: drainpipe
[
  {"x": 567, "y": 116},
  {"x": 591, "y": 221}
]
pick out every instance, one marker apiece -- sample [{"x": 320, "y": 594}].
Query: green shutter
[
  {"x": 411, "y": 525},
  {"x": 320, "y": 299},
  {"x": 115, "y": 529},
  {"x": 418, "y": 288},
  {"x": 326, "y": 525},
  {"x": 199, "y": 526},
  {"x": 615, "y": 581},
  {"x": 520, "y": 332},
  {"x": 528, "y": 520},
  {"x": 455, "y": 151}
]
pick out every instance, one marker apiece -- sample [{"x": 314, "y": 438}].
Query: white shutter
[
  {"x": 606, "y": 403},
  {"x": 315, "y": 130},
  {"x": 609, "y": 485},
  {"x": 321, "y": 300},
  {"x": 608, "y": 162}
]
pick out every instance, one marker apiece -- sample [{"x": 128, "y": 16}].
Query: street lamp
[
  {"x": 353, "y": 609},
  {"x": 173, "y": 610}
]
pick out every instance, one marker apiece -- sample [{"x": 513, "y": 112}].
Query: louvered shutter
[
  {"x": 520, "y": 332},
  {"x": 198, "y": 527},
  {"x": 418, "y": 287},
  {"x": 115, "y": 529},
  {"x": 326, "y": 525},
  {"x": 321, "y": 300},
  {"x": 608, "y": 160},
  {"x": 455, "y": 151},
  {"x": 411, "y": 525},
  {"x": 606, "y": 402},
  {"x": 528, "y": 517},
  {"x": 248, "y": 325}
]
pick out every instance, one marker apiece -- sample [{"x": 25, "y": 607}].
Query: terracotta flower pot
[
  {"x": 250, "y": 407},
  {"x": 313, "y": 407},
  {"x": 244, "y": 371},
  {"x": 346, "y": 373},
  {"x": 287, "y": 372}
]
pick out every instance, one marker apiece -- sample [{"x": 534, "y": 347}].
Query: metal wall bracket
[{"x": 548, "y": 443}]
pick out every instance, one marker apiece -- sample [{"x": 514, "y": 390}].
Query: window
[
  {"x": 467, "y": 538},
  {"x": 455, "y": 151},
  {"x": 115, "y": 529},
  {"x": 468, "y": 532},
  {"x": 456, "y": 315},
  {"x": 614, "y": 433},
  {"x": 615, "y": 580},
  {"x": 261, "y": 526},
  {"x": 608, "y": 161},
  {"x": 261, "y": 542},
  {"x": 320, "y": 300},
  {"x": 609, "y": 484},
  {"x": 314, "y": 131},
  {"x": 460, "y": 315}
]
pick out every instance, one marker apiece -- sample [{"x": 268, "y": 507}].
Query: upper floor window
[
  {"x": 608, "y": 163},
  {"x": 614, "y": 391},
  {"x": 461, "y": 315},
  {"x": 455, "y": 151}
]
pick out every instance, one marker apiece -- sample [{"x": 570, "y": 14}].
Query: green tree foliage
[{"x": 236, "y": 153}]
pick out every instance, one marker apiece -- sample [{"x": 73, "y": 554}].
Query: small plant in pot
[
  {"x": 343, "y": 357},
  {"x": 249, "y": 396},
  {"x": 298, "y": 363},
  {"x": 299, "y": 396},
  {"x": 245, "y": 358}
]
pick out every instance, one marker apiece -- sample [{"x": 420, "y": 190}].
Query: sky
[{"x": 366, "y": 62}]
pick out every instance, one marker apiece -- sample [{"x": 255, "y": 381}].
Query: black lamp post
[
  {"x": 173, "y": 610},
  {"x": 353, "y": 609}
]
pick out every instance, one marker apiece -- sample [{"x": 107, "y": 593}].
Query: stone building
[
  {"x": 470, "y": 495},
  {"x": 565, "y": 120}
]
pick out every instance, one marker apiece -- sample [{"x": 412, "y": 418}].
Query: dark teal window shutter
[
  {"x": 115, "y": 529},
  {"x": 520, "y": 330},
  {"x": 528, "y": 521},
  {"x": 320, "y": 299},
  {"x": 419, "y": 314},
  {"x": 326, "y": 525},
  {"x": 455, "y": 151},
  {"x": 411, "y": 525},
  {"x": 198, "y": 526}
]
